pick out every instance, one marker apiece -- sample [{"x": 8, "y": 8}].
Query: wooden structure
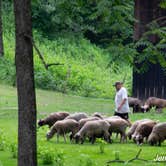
[{"x": 153, "y": 82}]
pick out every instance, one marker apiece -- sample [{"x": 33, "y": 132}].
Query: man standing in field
[{"x": 121, "y": 101}]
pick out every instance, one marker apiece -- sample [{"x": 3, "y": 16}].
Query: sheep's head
[
  {"x": 129, "y": 135},
  {"x": 41, "y": 122},
  {"x": 49, "y": 135},
  {"x": 98, "y": 115},
  {"x": 145, "y": 108},
  {"x": 139, "y": 139},
  {"x": 134, "y": 137},
  {"x": 77, "y": 138},
  {"x": 152, "y": 140}
]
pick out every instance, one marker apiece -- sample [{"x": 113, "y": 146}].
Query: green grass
[{"x": 74, "y": 155}]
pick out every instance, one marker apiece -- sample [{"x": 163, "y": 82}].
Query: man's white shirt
[{"x": 120, "y": 95}]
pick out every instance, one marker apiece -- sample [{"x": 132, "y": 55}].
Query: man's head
[{"x": 118, "y": 85}]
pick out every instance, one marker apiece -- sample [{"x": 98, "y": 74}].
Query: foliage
[
  {"x": 13, "y": 150},
  {"x": 151, "y": 53},
  {"x": 102, "y": 146},
  {"x": 47, "y": 156},
  {"x": 86, "y": 161},
  {"x": 85, "y": 63},
  {"x": 2, "y": 141},
  {"x": 97, "y": 19}
]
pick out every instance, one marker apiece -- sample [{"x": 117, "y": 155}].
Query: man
[{"x": 121, "y": 101}]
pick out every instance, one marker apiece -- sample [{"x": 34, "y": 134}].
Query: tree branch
[{"x": 40, "y": 55}]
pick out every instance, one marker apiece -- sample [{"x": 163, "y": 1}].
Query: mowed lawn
[{"x": 73, "y": 154}]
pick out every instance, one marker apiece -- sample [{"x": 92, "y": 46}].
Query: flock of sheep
[
  {"x": 81, "y": 127},
  {"x": 141, "y": 106}
]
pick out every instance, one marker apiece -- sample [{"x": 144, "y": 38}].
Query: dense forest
[{"x": 92, "y": 39}]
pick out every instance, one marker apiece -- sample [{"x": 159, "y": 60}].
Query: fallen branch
[
  {"x": 40, "y": 55},
  {"x": 137, "y": 157},
  {"x": 117, "y": 159}
]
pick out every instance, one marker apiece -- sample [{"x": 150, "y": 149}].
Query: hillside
[{"x": 89, "y": 69}]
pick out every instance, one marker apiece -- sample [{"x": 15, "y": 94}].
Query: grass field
[{"x": 72, "y": 154}]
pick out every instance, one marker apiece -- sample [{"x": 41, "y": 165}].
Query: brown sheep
[
  {"x": 154, "y": 102},
  {"x": 118, "y": 125},
  {"x": 63, "y": 127},
  {"x": 134, "y": 126},
  {"x": 135, "y": 103},
  {"x": 83, "y": 121},
  {"x": 158, "y": 134},
  {"x": 93, "y": 130},
  {"x": 52, "y": 118},
  {"x": 77, "y": 116},
  {"x": 99, "y": 115},
  {"x": 142, "y": 131}
]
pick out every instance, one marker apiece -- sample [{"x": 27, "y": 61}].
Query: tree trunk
[
  {"x": 25, "y": 85},
  {"x": 1, "y": 31},
  {"x": 152, "y": 82}
]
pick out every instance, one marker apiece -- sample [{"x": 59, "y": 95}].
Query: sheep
[
  {"x": 135, "y": 103},
  {"x": 99, "y": 115},
  {"x": 134, "y": 126},
  {"x": 112, "y": 117},
  {"x": 158, "y": 134},
  {"x": 93, "y": 130},
  {"x": 52, "y": 118},
  {"x": 118, "y": 125},
  {"x": 154, "y": 102},
  {"x": 142, "y": 131},
  {"x": 83, "y": 121},
  {"x": 63, "y": 127},
  {"x": 77, "y": 116}
]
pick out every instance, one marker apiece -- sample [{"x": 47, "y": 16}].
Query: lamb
[
  {"x": 77, "y": 116},
  {"x": 154, "y": 102},
  {"x": 52, "y": 118},
  {"x": 134, "y": 126},
  {"x": 83, "y": 121},
  {"x": 135, "y": 103},
  {"x": 158, "y": 134},
  {"x": 93, "y": 130},
  {"x": 118, "y": 125},
  {"x": 63, "y": 127},
  {"x": 142, "y": 131}
]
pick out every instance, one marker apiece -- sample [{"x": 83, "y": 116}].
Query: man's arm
[{"x": 121, "y": 104}]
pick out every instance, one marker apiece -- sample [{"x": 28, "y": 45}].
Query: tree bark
[
  {"x": 25, "y": 85},
  {"x": 153, "y": 81},
  {"x": 1, "y": 32}
]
